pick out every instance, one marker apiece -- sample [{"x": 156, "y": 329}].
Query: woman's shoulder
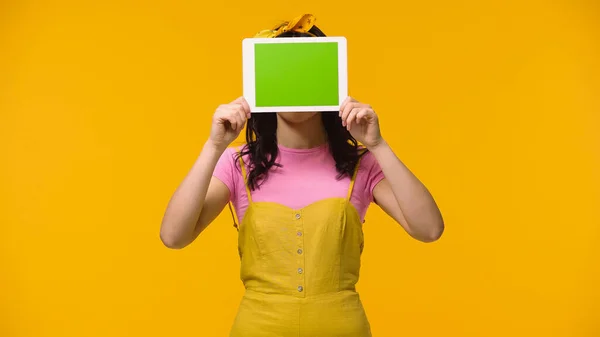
[
  {"x": 366, "y": 157},
  {"x": 368, "y": 164},
  {"x": 231, "y": 156},
  {"x": 369, "y": 174},
  {"x": 233, "y": 151}
]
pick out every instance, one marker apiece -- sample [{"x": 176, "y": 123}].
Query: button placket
[{"x": 299, "y": 270}]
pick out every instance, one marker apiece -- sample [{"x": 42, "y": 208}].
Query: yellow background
[{"x": 494, "y": 105}]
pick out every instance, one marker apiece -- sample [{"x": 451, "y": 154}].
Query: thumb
[{"x": 239, "y": 100}]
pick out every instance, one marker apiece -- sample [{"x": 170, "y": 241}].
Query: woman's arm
[
  {"x": 400, "y": 194},
  {"x": 200, "y": 197},
  {"x": 403, "y": 197},
  {"x": 196, "y": 203}
]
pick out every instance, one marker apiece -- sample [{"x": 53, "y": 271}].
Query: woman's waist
[
  {"x": 330, "y": 297},
  {"x": 300, "y": 287}
]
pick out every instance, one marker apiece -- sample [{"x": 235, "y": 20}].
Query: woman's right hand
[
  {"x": 228, "y": 121},
  {"x": 200, "y": 198}
]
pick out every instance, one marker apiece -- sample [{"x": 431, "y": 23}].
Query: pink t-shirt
[{"x": 306, "y": 176}]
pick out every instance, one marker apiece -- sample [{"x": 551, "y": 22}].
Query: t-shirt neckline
[{"x": 309, "y": 150}]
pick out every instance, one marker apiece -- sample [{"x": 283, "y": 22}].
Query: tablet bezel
[{"x": 248, "y": 69}]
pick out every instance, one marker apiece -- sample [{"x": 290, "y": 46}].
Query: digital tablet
[{"x": 295, "y": 74}]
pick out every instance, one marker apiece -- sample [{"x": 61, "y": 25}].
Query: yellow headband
[{"x": 300, "y": 24}]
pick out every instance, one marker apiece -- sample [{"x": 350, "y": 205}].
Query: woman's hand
[
  {"x": 362, "y": 122},
  {"x": 228, "y": 121}
]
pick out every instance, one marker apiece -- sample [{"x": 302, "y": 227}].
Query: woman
[{"x": 301, "y": 187}]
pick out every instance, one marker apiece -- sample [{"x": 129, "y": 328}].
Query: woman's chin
[{"x": 296, "y": 117}]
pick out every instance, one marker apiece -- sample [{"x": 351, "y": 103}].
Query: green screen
[{"x": 296, "y": 74}]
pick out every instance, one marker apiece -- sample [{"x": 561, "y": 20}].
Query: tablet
[{"x": 295, "y": 74}]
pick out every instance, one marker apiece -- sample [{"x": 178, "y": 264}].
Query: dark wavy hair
[{"x": 261, "y": 139}]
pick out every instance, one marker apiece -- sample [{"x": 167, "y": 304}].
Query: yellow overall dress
[{"x": 299, "y": 268}]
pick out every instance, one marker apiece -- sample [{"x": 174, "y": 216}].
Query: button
[
  {"x": 299, "y": 233},
  {"x": 297, "y": 216},
  {"x": 300, "y": 270},
  {"x": 300, "y": 251},
  {"x": 300, "y": 288}
]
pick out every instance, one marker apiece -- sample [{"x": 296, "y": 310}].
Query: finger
[
  {"x": 232, "y": 116},
  {"x": 242, "y": 101},
  {"x": 238, "y": 117},
  {"x": 351, "y": 117},
  {"x": 347, "y": 110},
  {"x": 245, "y": 106},
  {"x": 221, "y": 114},
  {"x": 362, "y": 116},
  {"x": 347, "y": 101},
  {"x": 241, "y": 112},
  {"x": 343, "y": 105},
  {"x": 233, "y": 123}
]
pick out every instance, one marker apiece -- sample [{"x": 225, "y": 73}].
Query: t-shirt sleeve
[
  {"x": 374, "y": 174},
  {"x": 225, "y": 171}
]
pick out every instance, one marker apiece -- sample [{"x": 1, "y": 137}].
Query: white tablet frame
[{"x": 249, "y": 75}]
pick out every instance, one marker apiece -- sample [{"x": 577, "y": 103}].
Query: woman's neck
[{"x": 305, "y": 135}]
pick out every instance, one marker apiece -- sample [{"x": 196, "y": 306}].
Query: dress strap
[
  {"x": 233, "y": 217},
  {"x": 353, "y": 178},
  {"x": 243, "y": 167}
]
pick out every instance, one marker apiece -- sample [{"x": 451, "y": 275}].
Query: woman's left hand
[{"x": 362, "y": 122}]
